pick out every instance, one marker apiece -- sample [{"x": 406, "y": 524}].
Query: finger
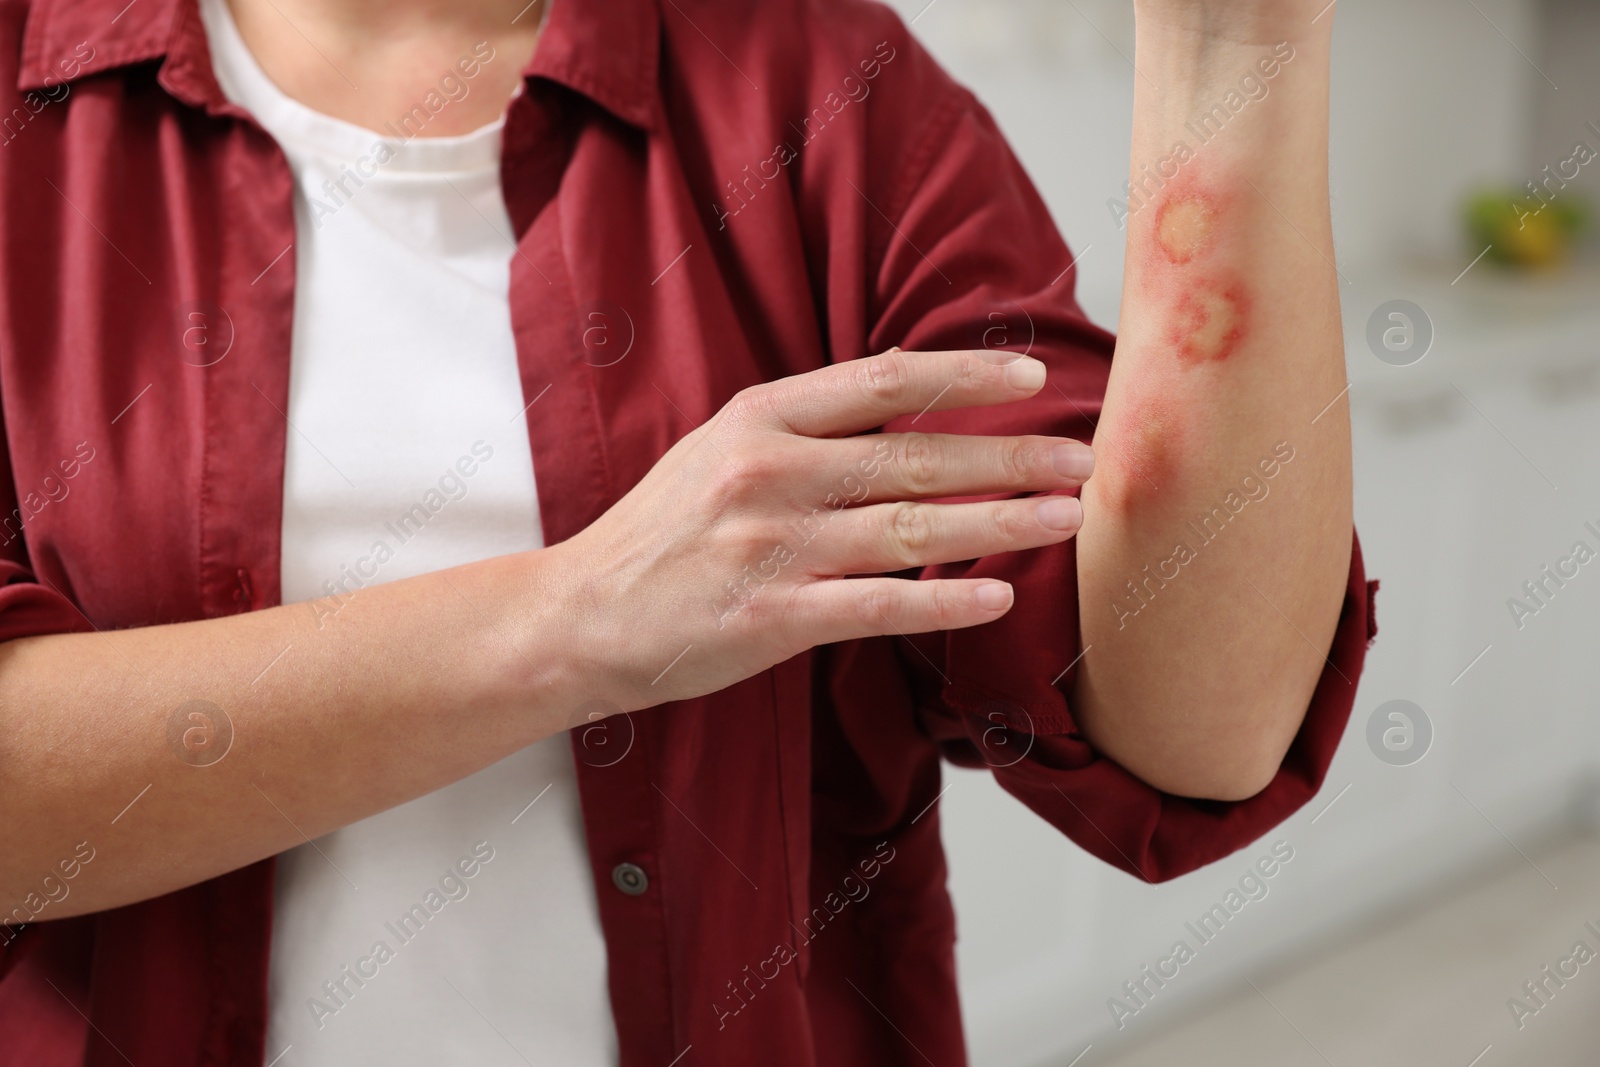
[
  {"x": 861, "y": 394},
  {"x": 850, "y": 608},
  {"x": 910, "y": 466},
  {"x": 893, "y": 537}
]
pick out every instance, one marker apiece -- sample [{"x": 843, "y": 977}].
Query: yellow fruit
[{"x": 1534, "y": 239}]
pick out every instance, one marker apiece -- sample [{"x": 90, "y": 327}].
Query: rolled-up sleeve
[
  {"x": 28, "y": 608},
  {"x": 971, "y": 258}
]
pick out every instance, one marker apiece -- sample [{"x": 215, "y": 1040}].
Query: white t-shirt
[{"x": 462, "y": 927}]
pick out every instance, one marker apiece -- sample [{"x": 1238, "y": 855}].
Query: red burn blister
[
  {"x": 1208, "y": 323},
  {"x": 1184, "y": 227}
]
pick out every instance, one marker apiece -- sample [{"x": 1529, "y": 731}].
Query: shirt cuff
[{"x": 1037, "y": 753}]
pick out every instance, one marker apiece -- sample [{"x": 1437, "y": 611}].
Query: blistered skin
[
  {"x": 1209, "y": 323},
  {"x": 1201, "y": 309},
  {"x": 1184, "y": 227},
  {"x": 1208, "y": 312}
]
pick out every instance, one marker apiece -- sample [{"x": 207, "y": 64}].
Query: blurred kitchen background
[{"x": 1423, "y": 893}]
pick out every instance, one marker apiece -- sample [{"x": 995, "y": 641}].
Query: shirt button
[{"x": 630, "y": 878}]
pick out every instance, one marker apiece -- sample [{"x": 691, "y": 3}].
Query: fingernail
[
  {"x": 993, "y": 596},
  {"x": 1026, "y": 373},
  {"x": 1073, "y": 459},
  {"x": 1060, "y": 512}
]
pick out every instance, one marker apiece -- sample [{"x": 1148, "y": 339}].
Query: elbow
[
  {"x": 1232, "y": 778},
  {"x": 1213, "y": 726},
  {"x": 1240, "y": 784},
  {"x": 1227, "y": 753}
]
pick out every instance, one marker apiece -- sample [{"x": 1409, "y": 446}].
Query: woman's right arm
[
  {"x": 414, "y": 684},
  {"x": 733, "y": 554}
]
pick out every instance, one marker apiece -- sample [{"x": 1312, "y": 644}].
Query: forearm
[
  {"x": 673, "y": 593},
  {"x": 407, "y": 687},
  {"x": 1223, "y": 487}
]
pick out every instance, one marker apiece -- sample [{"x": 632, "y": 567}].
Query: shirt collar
[{"x": 609, "y": 52}]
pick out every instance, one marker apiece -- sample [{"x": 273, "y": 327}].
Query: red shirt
[{"x": 728, "y": 192}]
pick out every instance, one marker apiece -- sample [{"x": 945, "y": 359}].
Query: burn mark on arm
[{"x": 1205, "y": 307}]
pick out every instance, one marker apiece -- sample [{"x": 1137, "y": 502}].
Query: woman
[{"x": 457, "y": 607}]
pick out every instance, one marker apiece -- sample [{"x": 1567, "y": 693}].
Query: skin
[
  {"x": 1186, "y": 225},
  {"x": 1199, "y": 696},
  {"x": 1150, "y": 456},
  {"x": 1229, "y": 343},
  {"x": 1210, "y": 322},
  {"x": 370, "y": 712},
  {"x": 373, "y": 60}
]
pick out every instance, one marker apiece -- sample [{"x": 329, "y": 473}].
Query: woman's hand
[
  {"x": 736, "y": 551},
  {"x": 675, "y": 592}
]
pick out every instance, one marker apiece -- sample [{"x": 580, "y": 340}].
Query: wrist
[
  {"x": 539, "y": 667},
  {"x": 1211, "y": 27},
  {"x": 1270, "y": 97}
]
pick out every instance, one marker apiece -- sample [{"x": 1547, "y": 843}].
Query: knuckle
[
  {"x": 1016, "y": 463},
  {"x": 941, "y": 606},
  {"x": 739, "y": 477},
  {"x": 974, "y": 371},
  {"x": 738, "y": 404},
  {"x": 910, "y": 531},
  {"x": 884, "y": 377},
  {"x": 919, "y": 463},
  {"x": 753, "y": 466},
  {"x": 748, "y": 405},
  {"x": 875, "y": 609},
  {"x": 1010, "y": 523}
]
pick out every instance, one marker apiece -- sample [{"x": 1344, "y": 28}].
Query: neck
[
  {"x": 366, "y": 61},
  {"x": 386, "y": 18}
]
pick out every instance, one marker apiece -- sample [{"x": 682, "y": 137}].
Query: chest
[{"x": 157, "y": 294}]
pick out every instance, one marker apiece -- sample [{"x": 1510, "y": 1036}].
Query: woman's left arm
[{"x": 1214, "y": 555}]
